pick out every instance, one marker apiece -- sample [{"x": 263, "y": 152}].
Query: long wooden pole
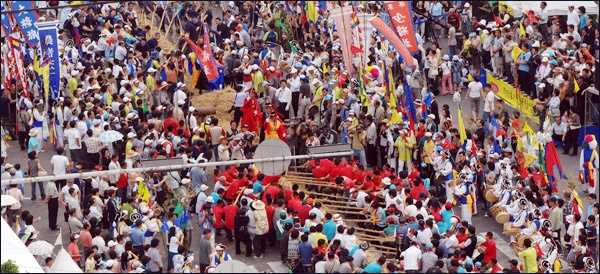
[{"x": 169, "y": 168}]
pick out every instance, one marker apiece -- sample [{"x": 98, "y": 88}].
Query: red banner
[{"x": 402, "y": 21}]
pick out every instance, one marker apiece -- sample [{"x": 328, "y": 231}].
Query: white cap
[
  {"x": 111, "y": 243},
  {"x": 254, "y": 67},
  {"x": 151, "y": 70},
  {"x": 180, "y": 85},
  {"x": 545, "y": 59},
  {"x": 74, "y": 72},
  {"x": 185, "y": 181},
  {"x": 131, "y": 135},
  {"x": 203, "y": 187},
  {"x": 467, "y": 5}
]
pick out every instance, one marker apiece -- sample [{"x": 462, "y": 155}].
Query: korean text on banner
[
  {"x": 26, "y": 21},
  {"x": 393, "y": 38},
  {"x": 402, "y": 21},
  {"x": 48, "y": 33},
  {"x": 342, "y": 19}
]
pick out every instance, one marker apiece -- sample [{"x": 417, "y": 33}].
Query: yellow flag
[
  {"x": 43, "y": 71},
  {"x": 143, "y": 192},
  {"x": 461, "y": 127},
  {"x": 575, "y": 86},
  {"x": 393, "y": 99},
  {"x": 516, "y": 51},
  {"x": 527, "y": 129},
  {"x": 396, "y": 117},
  {"x": 521, "y": 30},
  {"x": 311, "y": 11}
]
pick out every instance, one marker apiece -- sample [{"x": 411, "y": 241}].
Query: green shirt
[{"x": 529, "y": 259}]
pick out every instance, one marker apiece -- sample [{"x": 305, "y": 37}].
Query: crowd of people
[{"x": 125, "y": 100}]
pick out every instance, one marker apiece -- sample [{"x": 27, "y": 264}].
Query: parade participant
[{"x": 589, "y": 163}]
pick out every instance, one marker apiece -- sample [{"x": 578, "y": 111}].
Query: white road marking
[{"x": 504, "y": 247}]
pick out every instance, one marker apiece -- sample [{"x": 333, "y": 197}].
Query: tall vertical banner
[
  {"x": 48, "y": 34},
  {"x": 399, "y": 11},
  {"x": 26, "y": 21},
  {"x": 362, "y": 37},
  {"x": 394, "y": 39},
  {"x": 342, "y": 19}
]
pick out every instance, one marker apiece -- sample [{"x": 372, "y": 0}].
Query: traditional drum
[
  {"x": 502, "y": 217},
  {"x": 521, "y": 241},
  {"x": 494, "y": 210},
  {"x": 490, "y": 197},
  {"x": 509, "y": 229}
]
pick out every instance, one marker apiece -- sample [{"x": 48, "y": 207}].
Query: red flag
[{"x": 402, "y": 22}]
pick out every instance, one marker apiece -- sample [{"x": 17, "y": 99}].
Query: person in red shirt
[
  {"x": 229, "y": 212},
  {"x": 417, "y": 189},
  {"x": 219, "y": 212},
  {"x": 272, "y": 191},
  {"x": 295, "y": 203},
  {"x": 368, "y": 185},
  {"x": 289, "y": 193},
  {"x": 232, "y": 190},
  {"x": 304, "y": 212},
  {"x": 270, "y": 210},
  {"x": 170, "y": 124},
  {"x": 488, "y": 249}
]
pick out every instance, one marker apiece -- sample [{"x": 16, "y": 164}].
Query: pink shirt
[{"x": 85, "y": 238}]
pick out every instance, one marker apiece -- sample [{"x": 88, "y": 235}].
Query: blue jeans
[
  {"x": 360, "y": 153},
  {"x": 170, "y": 263}
]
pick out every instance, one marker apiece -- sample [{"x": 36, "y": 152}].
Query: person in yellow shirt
[
  {"x": 528, "y": 258},
  {"x": 428, "y": 147},
  {"x": 257, "y": 79},
  {"x": 72, "y": 84},
  {"x": 317, "y": 235},
  {"x": 130, "y": 153},
  {"x": 405, "y": 144},
  {"x": 150, "y": 81}
]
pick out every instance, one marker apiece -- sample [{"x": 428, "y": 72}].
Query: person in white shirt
[
  {"x": 238, "y": 103},
  {"x": 559, "y": 130},
  {"x": 412, "y": 257},
  {"x": 59, "y": 164},
  {"x": 179, "y": 94},
  {"x": 284, "y": 97},
  {"x": 572, "y": 16},
  {"x": 73, "y": 141},
  {"x": 447, "y": 86},
  {"x": 543, "y": 70},
  {"x": 489, "y": 105},
  {"x": 475, "y": 88}
]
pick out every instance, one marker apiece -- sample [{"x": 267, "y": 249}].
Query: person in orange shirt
[{"x": 74, "y": 249}]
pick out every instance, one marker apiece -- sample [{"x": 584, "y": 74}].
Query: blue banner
[
  {"x": 49, "y": 47},
  {"x": 6, "y": 17},
  {"x": 26, "y": 21}
]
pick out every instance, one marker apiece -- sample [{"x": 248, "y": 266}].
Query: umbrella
[
  {"x": 40, "y": 248},
  {"x": 234, "y": 266},
  {"x": 7, "y": 200},
  {"x": 110, "y": 136}
]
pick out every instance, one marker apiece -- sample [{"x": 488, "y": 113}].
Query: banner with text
[
  {"x": 399, "y": 11},
  {"x": 48, "y": 33}
]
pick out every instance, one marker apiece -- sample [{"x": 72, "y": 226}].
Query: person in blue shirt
[
  {"x": 305, "y": 250},
  {"x": 257, "y": 187},
  {"x": 34, "y": 143},
  {"x": 329, "y": 227},
  {"x": 375, "y": 267},
  {"x": 137, "y": 237},
  {"x": 526, "y": 79}
]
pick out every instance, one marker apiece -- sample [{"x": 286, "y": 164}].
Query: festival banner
[
  {"x": 26, "y": 21},
  {"x": 362, "y": 36},
  {"x": 510, "y": 96},
  {"x": 342, "y": 19},
  {"x": 394, "y": 39},
  {"x": 399, "y": 11},
  {"x": 48, "y": 33}
]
